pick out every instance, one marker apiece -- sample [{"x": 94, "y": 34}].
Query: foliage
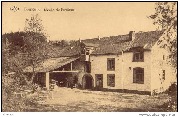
[
  {"x": 14, "y": 41},
  {"x": 20, "y": 49},
  {"x": 171, "y": 104},
  {"x": 36, "y": 43},
  {"x": 11, "y": 103},
  {"x": 74, "y": 43},
  {"x": 165, "y": 17}
]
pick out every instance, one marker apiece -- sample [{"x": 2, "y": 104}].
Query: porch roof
[{"x": 50, "y": 64}]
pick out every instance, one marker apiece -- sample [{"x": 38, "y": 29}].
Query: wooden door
[{"x": 99, "y": 81}]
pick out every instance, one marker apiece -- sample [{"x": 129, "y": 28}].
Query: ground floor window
[
  {"x": 111, "y": 80},
  {"x": 138, "y": 75}
]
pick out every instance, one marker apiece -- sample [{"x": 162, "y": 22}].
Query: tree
[
  {"x": 35, "y": 42},
  {"x": 5, "y": 56},
  {"x": 165, "y": 17},
  {"x": 64, "y": 43},
  {"x": 74, "y": 43}
]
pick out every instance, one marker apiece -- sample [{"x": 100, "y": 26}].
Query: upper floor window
[
  {"x": 83, "y": 51},
  {"x": 111, "y": 64},
  {"x": 87, "y": 52},
  {"x": 138, "y": 56},
  {"x": 138, "y": 75}
]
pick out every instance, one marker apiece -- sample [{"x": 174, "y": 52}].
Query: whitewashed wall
[
  {"x": 123, "y": 71},
  {"x": 128, "y": 66},
  {"x": 158, "y": 64},
  {"x": 99, "y": 66}
]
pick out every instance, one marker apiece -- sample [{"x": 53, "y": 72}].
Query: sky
[{"x": 88, "y": 20}]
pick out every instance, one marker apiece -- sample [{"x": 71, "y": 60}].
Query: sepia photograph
[{"x": 89, "y": 56}]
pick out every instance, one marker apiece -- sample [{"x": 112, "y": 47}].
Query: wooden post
[
  {"x": 47, "y": 80},
  {"x": 71, "y": 66}
]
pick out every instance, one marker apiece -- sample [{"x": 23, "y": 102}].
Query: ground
[{"x": 75, "y": 100}]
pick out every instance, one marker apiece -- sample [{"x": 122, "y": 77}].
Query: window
[
  {"x": 163, "y": 74},
  {"x": 83, "y": 51},
  {"x": 111, "y": 80},
  {"x": 111, "y": 64},
  {"x": 138, "y": 56},
  {"x": 163, "y": 57},
  {"x": 87, "y": 52},
  {"x": 138, "y": 75},
  {"x": 87, "y": 67}
]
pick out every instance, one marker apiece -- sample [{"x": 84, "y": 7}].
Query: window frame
[
  {"x": 112, "y": 83},
  {"x": 137, "y": 73},
  {"x": 110, "y": 61},
  {"x": 140, "y": 55}
]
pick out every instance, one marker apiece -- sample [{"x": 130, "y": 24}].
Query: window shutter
[
  {"x": 108, "y": 64},
  {"x": 142, "y": 74},
  {"x": 134, "y": 75},
  {"x": 133, "y": 58}
]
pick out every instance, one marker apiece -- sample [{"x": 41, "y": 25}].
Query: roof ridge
[{"x": 121, "y": 35}]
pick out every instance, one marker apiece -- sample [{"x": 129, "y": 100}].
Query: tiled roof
[
  {"x": 112, "y": 48},
  {"x": 142, "y": 39},
  {"x": 108, "y": 40},
  {"x": 115, "y": 44},
  {"x": 90, "y": 44},
  {"x": 146, "y": 39},
  {"x": 71, "y": 51},
  {"x": 94, "y": 40},
  {"x": 50, "y": 64},
  {"x": 54, "y": 51}
]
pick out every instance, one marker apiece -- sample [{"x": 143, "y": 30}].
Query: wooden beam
[{"x": 63, "y": 71}]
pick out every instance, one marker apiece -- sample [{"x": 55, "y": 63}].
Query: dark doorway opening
[
  {"x": 60, "y": 78},
  {"x": 87, "y": 67},
  {"x": 99, "y": 81},
  {"x": 87, "y": 81}
]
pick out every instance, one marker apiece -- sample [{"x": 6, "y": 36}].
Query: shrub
[
  {"x": 11, "y": 103},
  {"x": 172, "y": 102}
]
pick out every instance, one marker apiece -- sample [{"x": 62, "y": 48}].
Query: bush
[
  {"x": 172, "y": 103},
  {"x": 11, "y": 103},
  {"x": 172, "y": 89}
]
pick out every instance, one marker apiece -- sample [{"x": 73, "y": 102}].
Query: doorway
[
  {"x": 99, "y": 81},
  {"x": 87, "y": 81}
]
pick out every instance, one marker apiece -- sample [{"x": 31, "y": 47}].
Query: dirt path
[{"x": 65, "y": 99}]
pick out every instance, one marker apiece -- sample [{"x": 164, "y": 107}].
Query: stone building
[{"x": 128, "y": 63}]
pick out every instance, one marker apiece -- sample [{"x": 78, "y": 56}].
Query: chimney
[
  {"x": 131, "y": 35},
  {"x": 98, "y": 38},
  {"x": 79, "y": 40}
]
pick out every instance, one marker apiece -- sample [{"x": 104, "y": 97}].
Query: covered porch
[{"x": 60, "y": 71}]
